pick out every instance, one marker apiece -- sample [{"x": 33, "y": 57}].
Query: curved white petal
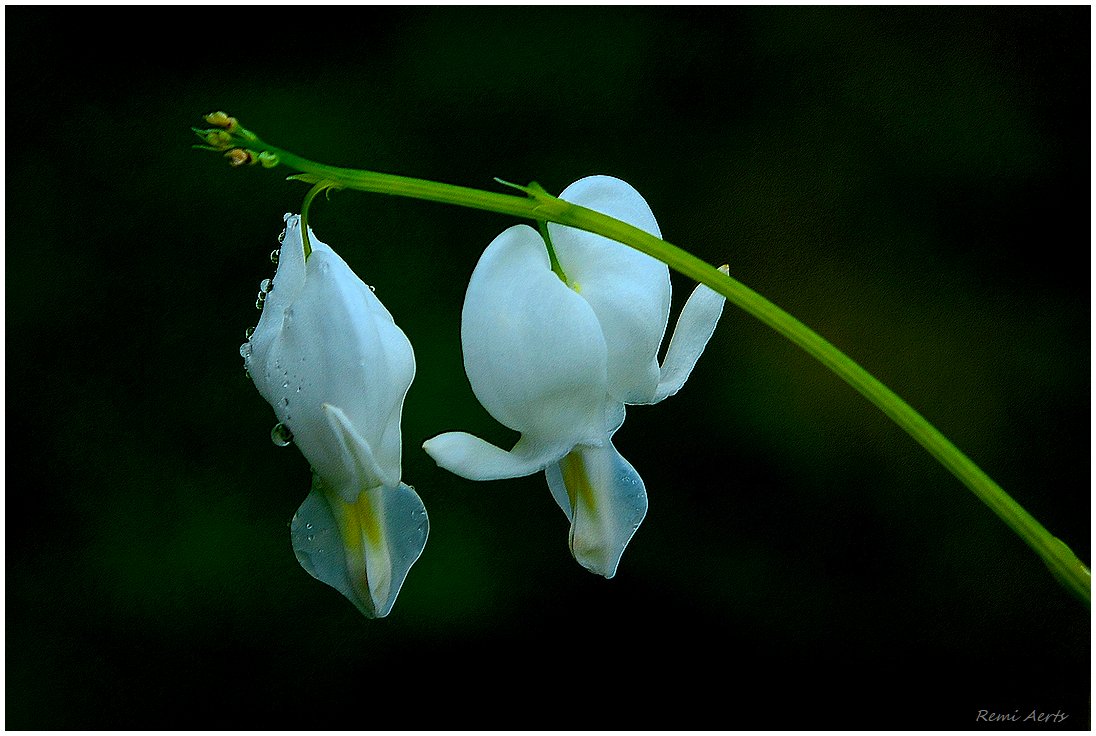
[
  {"x": 360, "y": 465},
  {"x": 364, "y": 548},
  {"x": 605, "y": 501},
  {"x": 325, "y": 339},
  {"x": 533, "y": 349},
  {"x": 470, "y": 457},
  {"x": 629, "y": 291},
  {"x": 695, "y": 326}
]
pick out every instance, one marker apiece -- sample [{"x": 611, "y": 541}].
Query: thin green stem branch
[{"x": 542, "y": 207}]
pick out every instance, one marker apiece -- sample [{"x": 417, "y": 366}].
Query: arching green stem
[
  {"x": 538, "y": 205},
  {"x": 316, "y": 189}
]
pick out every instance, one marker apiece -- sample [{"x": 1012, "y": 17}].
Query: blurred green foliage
[{"x": 911, "y": 182}]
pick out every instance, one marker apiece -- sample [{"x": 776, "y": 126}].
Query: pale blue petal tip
[
  {"x": 610, "y": 502},
  {"x": 319, "y": 547}
]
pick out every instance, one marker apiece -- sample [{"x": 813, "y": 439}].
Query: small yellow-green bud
[
  {"x": 219, "y": 139},
  {"x": 268, "y": 160},
  {"x": 239, "y": 157}
]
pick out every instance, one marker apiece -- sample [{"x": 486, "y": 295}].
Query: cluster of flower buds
[{"x": 237, "y": 142}]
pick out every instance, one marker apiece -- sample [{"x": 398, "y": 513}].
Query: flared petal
[
  {"x": 325, "y": 338},
  {"x": 471, "y": 457},
  {"x": 363, "y": 548},
  {"x": 533, "y": 349},
  {"x": 605, "y": 501},
  {"x": 695, "y": 326},
  {"x": 629, "y": 291}
]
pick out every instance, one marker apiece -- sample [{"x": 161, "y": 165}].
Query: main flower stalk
[{"x": 243, "y": 147}]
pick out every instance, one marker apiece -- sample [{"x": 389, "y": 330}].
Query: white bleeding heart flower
[
  {"x": 558, "y": 361},
  {"x": 335, "y": 367}
]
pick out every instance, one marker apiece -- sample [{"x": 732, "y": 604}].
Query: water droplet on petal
[
  {"x": 247, "y": 373},
  {"x": 259, "y": 304},
  {"x": 311, "y": 537},
  {"x": 274, "y": 253},
  {"x": 371, "y": 287},
  {"x": 245, "y": 350},
  {"x": 266, "y": 286},
  {"x": 280, "y": 435},
  {"x": 248, "y": 333},
  {"x": 308, "y": 525}
]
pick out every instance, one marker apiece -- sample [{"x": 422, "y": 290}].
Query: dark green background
[{"x": 912, "y": 183}]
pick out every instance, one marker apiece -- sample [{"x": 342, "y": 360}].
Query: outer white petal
[
  {"x": 364, "y": 548},
  {"x": 533, "y": 349},
  {"x": 628, "y": 290},
  {"x": 695, "y": 326},
  {"x": 470, "y": 457},
  {"x": 325, "y": 338},
  {"x": 605, "y": 501}
]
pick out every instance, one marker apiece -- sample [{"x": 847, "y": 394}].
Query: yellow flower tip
[
  {"x": 222, "y": 120},
  {"x": 239, "y": 157}
]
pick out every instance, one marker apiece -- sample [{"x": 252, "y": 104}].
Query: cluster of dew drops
[{"x": 280, "y": 434}]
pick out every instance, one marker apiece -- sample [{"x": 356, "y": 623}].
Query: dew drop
[
  {"x": 248, "y": 333},
  {"x": 285, "y": 384},
  {"x": 265, "y": 286},
  {"x": 308, "y": 525},
  {"x": 247, "y": 373},
  {"x": 311, "y": 537},
  {"x": 245, "y": 350},
  {"x": 281, "y": 238},
  {"x": 371, "y": 287},
  {"x": 281, "y": 436},
  {"x": 274, "y": 254}
]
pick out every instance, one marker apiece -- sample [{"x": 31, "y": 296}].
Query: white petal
[
  {"x": 628, "y": 290},
  {"x": 533, "y": 349},
  {"x": 694, "y": 329},
  {"x": 360, "y": 468},
  {"x": 475, "y": 459},
  {"x": 362, "y": 549},
  {"x": 325, "y": 338},
  {"x": 605, "y": 501}
]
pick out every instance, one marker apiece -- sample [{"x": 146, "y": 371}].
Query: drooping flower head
[
  {"x": 558, "y": 361},
  {"x": 331, "y": 361}
]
